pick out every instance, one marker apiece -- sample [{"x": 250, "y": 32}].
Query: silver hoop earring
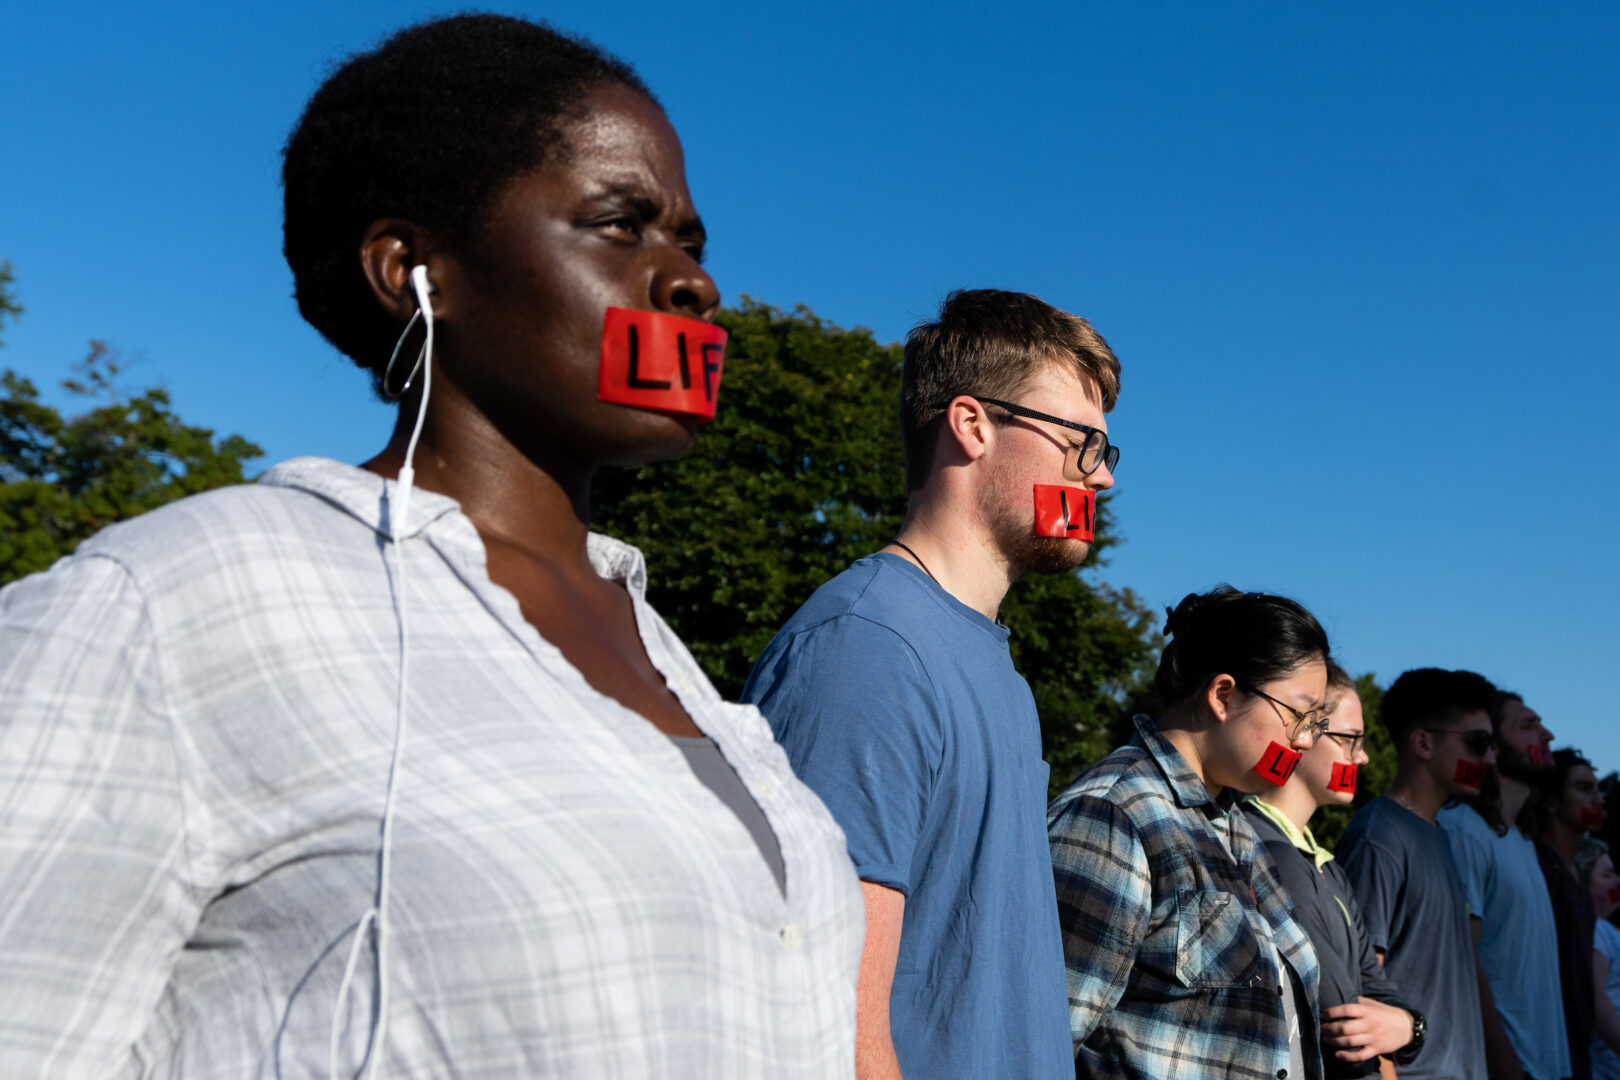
[{"x": 394, "y": 357}]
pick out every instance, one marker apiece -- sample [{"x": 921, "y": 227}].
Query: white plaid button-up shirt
[{"x": 196, "y": 716}]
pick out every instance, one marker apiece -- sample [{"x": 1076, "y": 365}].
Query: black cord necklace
[{"x": 896, "y": 542}]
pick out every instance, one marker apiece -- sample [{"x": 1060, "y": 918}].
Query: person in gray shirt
[{"x": 1398, "y": 860}]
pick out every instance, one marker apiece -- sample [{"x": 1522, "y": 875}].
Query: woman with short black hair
[{"x": 392, "y": 769}]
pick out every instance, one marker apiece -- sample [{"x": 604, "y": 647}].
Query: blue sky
[{"x": 1359, "y": 261}]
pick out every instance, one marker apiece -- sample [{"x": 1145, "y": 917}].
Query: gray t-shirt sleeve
[
  {"x": 1473, "y": 861},
  {"x": 1377, "y": 875}
]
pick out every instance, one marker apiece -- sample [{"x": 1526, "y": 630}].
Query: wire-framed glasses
[
  {"x": 1314, "y": 722},
  {"x": 1351, "y": 743},
  {"x": 1095, "y": 450}
]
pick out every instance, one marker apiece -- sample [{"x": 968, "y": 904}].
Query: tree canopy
[
  {"x": 800, "y": 474},
  {"x": 63, "y": 478}
]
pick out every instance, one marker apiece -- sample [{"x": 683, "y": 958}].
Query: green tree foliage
[
  {"x": 64, "y": 478},
  {"x": 801, "y": 474},
  {"x": 9, "y": 307},
  {"x": 1373, "y": 779}
]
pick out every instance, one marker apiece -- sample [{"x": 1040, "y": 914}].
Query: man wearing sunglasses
[
  {"x": 1510, "y": 911},
  {"x": 1413, "y": 901},
  {"x": 894, "y": 694}
]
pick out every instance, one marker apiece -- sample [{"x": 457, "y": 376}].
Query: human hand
[{"x": 1364, "y": 1029}]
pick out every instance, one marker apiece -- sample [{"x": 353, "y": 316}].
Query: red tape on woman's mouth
[
  {"x": 1064, "y": 512},
  {"x": 1277, "y": 763},
  {"x": 1343, "y": 778},
  {"x": 655, "y": 361},
  {"x": 1539, "y": 755},
  {"x": 1471, "y": 774},
  {"x": 1591, "y": 817}
]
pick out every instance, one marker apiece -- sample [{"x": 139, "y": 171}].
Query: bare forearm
[{"x": 875, "y": 1058}]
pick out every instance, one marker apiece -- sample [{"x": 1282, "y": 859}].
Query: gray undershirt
[{"x": 710, "y": 767}]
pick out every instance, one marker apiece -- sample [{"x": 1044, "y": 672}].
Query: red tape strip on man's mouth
[
  {"x": 655, "y": 361},
  {"x": 1064, "y": 512},
  {"x": 1591, "y": 817},
  {"x": 1277, "y": 763},
  {"x": 1343, "y": 778},
  {"x": 1539, "y": 755},
  {"x": 1471, "y": 774}
]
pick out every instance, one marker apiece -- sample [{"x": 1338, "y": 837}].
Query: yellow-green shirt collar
[{"x": 1300, "y": 838}]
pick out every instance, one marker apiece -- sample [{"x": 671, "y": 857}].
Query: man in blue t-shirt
[
  {"x": 1510, "y": 911},
  {"x": 894, "y": 694}
]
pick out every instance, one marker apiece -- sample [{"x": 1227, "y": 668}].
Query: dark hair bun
[
  {"x": 1254, "y": 637},
  {"x": 1177, "y": 618}
]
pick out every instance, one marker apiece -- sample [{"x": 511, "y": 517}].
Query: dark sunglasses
[
  {"x": 1479, "y": 743},
  {"x": 1095, "y": 451}
]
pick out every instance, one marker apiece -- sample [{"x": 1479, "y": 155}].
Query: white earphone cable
[{"x": 376, "y": 917}]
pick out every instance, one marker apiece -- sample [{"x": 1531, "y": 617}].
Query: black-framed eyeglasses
[
  {"x": 1095, "y": 451},
  {"x": 1352, "y": 743},
  {"x": 1478, "y": 741},
  {"x": 1315, "y": 722}
]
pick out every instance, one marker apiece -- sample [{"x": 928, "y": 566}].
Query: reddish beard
[{"x": 1008, "y": 508}]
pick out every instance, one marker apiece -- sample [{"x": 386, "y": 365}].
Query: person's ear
[
  {"x": 968, "y": 428},
  {"x": 1420, "y": 743},
  {"x": 1218, "y": 695},
  {"x": 389, "y": 250}
]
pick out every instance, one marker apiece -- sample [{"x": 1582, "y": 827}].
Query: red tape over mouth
[
  {"x": 1064, "y": 512},
  {"x": 1343, "y": 778},
  {"x": 1591, "y": 817},
  {"x": 665, "y": 362},
  {"x": 1277, "y": 764},
  {"x": 1471, "y": 774},
  {"x": 1539, "y": 755}
]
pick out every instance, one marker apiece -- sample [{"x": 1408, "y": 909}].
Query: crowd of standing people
[{"x": 392, "y": 770}]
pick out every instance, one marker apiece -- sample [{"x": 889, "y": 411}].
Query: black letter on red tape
[
  {"x": 635, "y": 379},
  {"x": 1471, "y": 773},
  {"x": 1277, "y": 764},
  {"x": 1085, "y": 508},
  {"x": 686, "y": 368},
  {"x": 1343, "y": 778},
  {"x": 710, "y": 366}
]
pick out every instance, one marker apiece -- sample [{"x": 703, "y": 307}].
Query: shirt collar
[
  {"x": 1188, "y": 789},
  {"x": 1301, "y": 838},
  {"x": 366, "y": 496}
]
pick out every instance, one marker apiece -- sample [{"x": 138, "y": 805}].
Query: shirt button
[
  {"x": 763, "y": 789},
  {"x": 1282, "y": 1074},
  {"x": 792, "y": 936}
]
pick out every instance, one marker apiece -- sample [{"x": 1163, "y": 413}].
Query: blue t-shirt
[
  {"x": 1415, "y": 909},
  {"x": 899, "y": 706},
  {"x": 1518, "y": 941}
]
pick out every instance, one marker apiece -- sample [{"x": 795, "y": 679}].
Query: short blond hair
[{"x": 990, "y": 343}]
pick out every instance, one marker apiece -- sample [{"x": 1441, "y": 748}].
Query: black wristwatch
[{"x": 1420, "y": 1028}]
